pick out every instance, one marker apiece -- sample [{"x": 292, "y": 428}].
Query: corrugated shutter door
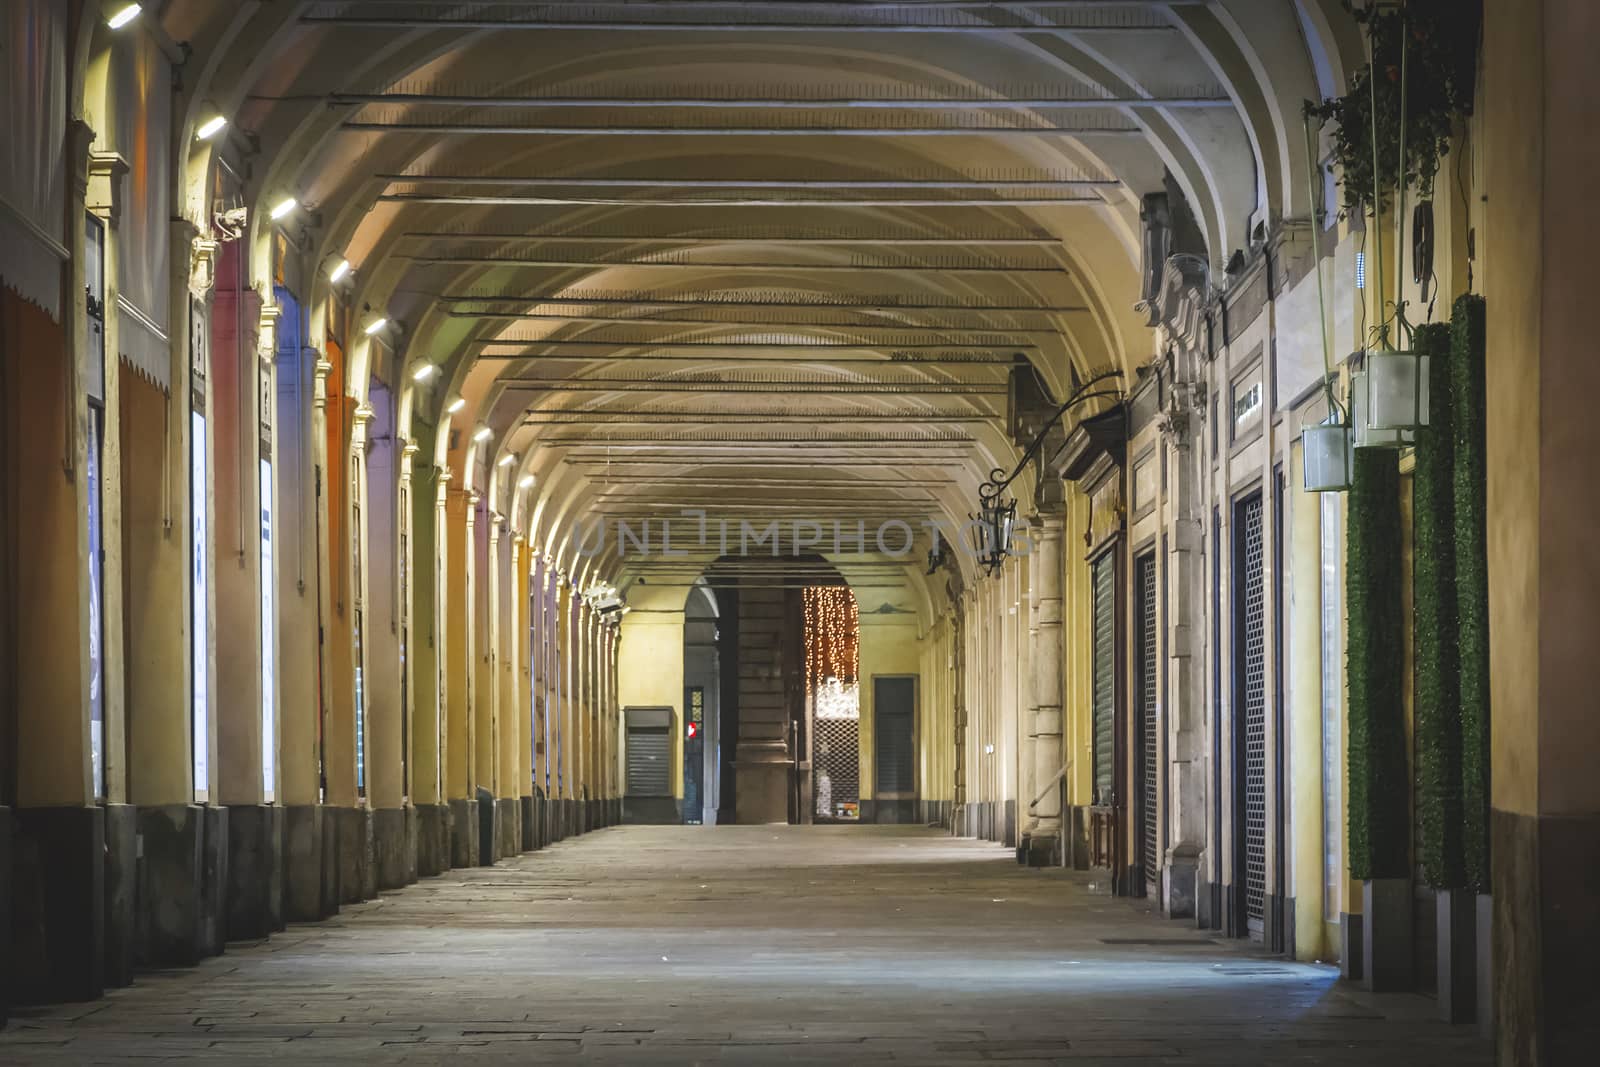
[
  {"x": 893, "y": 701},
  {"x": 649, "y": 762},
  {"x": 894, "y": 753},
  {"x": 1105, "y": 637},
  {"x": 1149, "y": 722}
]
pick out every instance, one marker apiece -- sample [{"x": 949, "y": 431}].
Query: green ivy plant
[
  {"x": 1379, "y": 786},
  {"x": 1439, "y": 59},
  {"x": 1437, "y": 674}
]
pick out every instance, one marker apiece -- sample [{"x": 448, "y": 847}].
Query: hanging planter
[{"x": 1328, "y": 456}]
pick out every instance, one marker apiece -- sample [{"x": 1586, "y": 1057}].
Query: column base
[
  {"x": 394, "y": 847},
  {"x": 170, "y": 885},
  {"x": 358, "y": 875},
  {"x": 122, "y": 893},
  {"x": 1456, "y": 954},
  {"x": 305, "y": 895},
  {"x": 1546, "y": 929},
  {"x": 463, "y": 832},
  {"x": 1352, "y": 953},
  {"x": 6, "y": 958},
  {"x": 1040, "y": 848},
  {"x": 1386, "y": 912},
  {"x": 1179, "y": 882},
  {"x": 433, "y": 839},
  {"x": 508, "y": 827},
  {"x": 1484, "y": 948},
  {"x": 487, "y": 816},
  {"x": 57, "y": 894},
  {"x": 214, "y": 881},
  {"x": 255, "y": 871},
  {"x": 525, "y": 823}
]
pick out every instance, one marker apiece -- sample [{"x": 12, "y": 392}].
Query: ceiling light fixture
[
  {"x": 123, "y": 17},
  {"x": 455, "y": 405},
  {"x": 210, "y": 127},
  {"x": 283, "y": 207},
  {"x": 483, "y": 434},
  {"x": 525, "y": 481},
  {"x": 339, "y": 271},
  {"x": 424, "y": 372},
  {"x": 375, "y": 325},
  {"x": 507, "y": 459}
]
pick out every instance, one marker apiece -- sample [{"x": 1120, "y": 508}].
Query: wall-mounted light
[
  {"x": 375, "y": 325},
  {"x": 424, "y": 372},
  {"x": 211, "y": 126},
  {"x": 339, "y": 271},
  {"x": 483, "y": 434},
  {"x": 124, "y": 16},
  {"x": 526, "y": 481},
  {"x": 283, "y": 207},
  {"x": 455, "y": 405},
  {"x": 506, "y": 460}
]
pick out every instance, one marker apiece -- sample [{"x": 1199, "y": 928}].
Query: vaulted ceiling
[{"x": 767, "y": 259}]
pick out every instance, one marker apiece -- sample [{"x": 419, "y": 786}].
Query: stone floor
[{"x": 748, "y": 945}]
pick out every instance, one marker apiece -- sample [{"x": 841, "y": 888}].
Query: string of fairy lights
[{"x": 833, "y": 649}]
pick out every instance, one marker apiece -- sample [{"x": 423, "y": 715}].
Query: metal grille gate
[
  {"x": 837, "y": 767},
  {"x": 1251, "y": 723},
  {"x": 1149, "y": 725}
]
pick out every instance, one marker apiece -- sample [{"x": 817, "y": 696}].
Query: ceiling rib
[
  {"x": 749, "y": 235},
  {"x": 614, "y": 385},
  {"x": 827, "y": 268},
  {"x": 1205, "y": 98},
  {"x": 757, "y": 361},
  {"x": 465, "y": 199},
  {"x": 502, "y": 130},
  {"x": 331, "y": 15},
  {"x": 742, "y": 297},
  {"x": 622, "y": 418},
  {"x": 779, "y": 437}
]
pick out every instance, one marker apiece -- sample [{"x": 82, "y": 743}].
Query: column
[
  {"x": 457, "y": 591},
  {"x": 1042, "y": 842},
  {"x": 1539, "y": 84},
  {"x": 425, "y": 661},
  {"x": 485, "y": 656}
]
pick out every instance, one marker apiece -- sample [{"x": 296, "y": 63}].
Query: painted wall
[
  {"x": 889, "y": 645},
  {"x": 650, "y": 672}
]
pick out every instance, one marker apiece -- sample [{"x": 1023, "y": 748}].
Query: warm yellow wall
[
  {"x": 650, "y": 671},
  {"x": 889, "y": 645}
]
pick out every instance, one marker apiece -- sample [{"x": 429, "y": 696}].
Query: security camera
[{"x": 609, "y": 604}]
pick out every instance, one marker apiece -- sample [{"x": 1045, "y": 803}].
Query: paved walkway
[{"x": 747, "y": 945}]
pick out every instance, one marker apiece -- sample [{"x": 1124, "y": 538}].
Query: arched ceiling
[{"x": 773, "y": 260}]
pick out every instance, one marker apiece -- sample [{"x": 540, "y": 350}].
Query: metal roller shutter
[
  {"x": 1105, "y": 666},
  {"x": 649, "y": 762},
  {"x": 1149, "y": 723}
]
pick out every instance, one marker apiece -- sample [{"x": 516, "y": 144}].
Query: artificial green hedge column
[
  {"x": 1437, "y": 679},
  {"x": 1472, "y": 580},
  {"x": 1380, "y": 834}
]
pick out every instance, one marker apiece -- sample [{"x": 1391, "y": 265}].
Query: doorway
[{"x": 833, "y": 701}]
